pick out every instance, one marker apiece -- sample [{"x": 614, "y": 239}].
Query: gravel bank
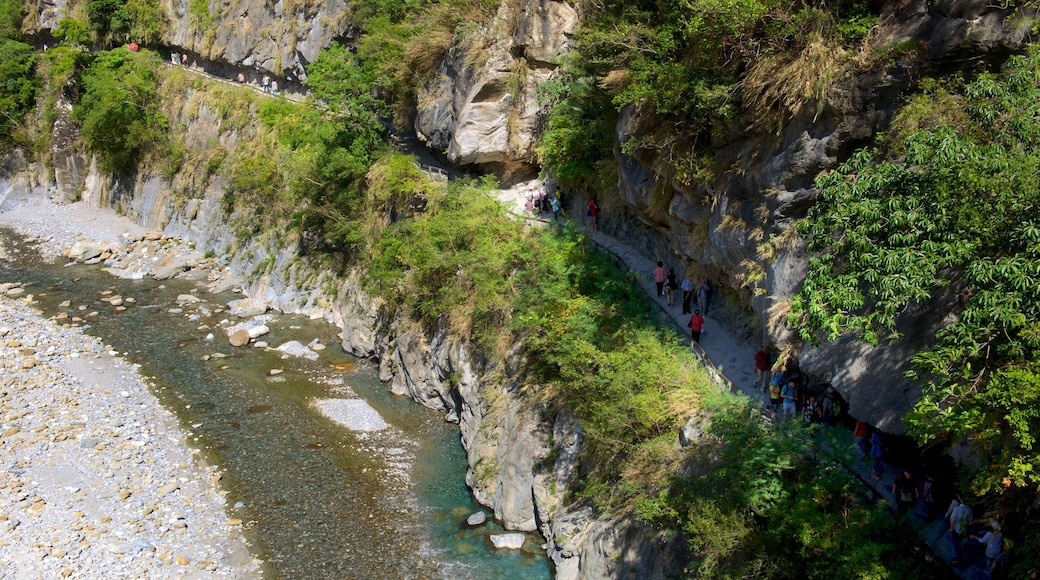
[{"x": 95, "y": 478}]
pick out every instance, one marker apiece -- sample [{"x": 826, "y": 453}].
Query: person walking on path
[
  {"x": 592, "y": 213},
  {"x": 960, "y": 515},
  {"x": 704, "y": 292},
  {"x": 555, "y": 203},
  {"x": 696, "y": 325},
  {"x": 671, "y": 284},
  {"x": 660, "y": 276},
  {"x": 905, "y": 491},
  {"x": 859, "y": 435},
  {"x": 687, "y": 293},
  {"x": 789, "y": 394},
  {"x": 994, "y": 543},
  {"x": 877, "y": 452},
  {"x": 762, "y": 367},
  {"x": 774, "y": 391},
  {"x": 265, "y": 82}
]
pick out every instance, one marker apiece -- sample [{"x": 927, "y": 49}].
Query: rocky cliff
[{"x": 735, "y": 228}]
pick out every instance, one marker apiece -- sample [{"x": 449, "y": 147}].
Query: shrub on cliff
[
  {"x": 18, "y": 86},
  {"x": 960, "y": 207},
  {"x": 119, "y": 110}
]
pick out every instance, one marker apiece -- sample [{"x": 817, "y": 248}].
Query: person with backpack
[
  {"x": 774, "y": 391},
  {"x": 789, "y": 396}
]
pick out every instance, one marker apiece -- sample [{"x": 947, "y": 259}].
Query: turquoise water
[{"x": 319, "y": 501}]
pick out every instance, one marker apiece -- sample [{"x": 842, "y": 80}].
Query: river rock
[
  {"x": 508, "y": 541},
  {"x": 186, "y": 299},
  {"x": 245, "y": 308},
  {"x": 294, "y": 348},
  {"x": 477, "y": 519},
  {"x": 239, "y": 338},
  {"x": 170, "y": 268},
  {"x": 83, "y": 251}
]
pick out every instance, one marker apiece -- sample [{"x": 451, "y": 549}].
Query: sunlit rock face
[{"x": 481, "y": 107}]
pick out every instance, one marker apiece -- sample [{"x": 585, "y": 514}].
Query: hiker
[
  {"x": 762, "y": 369},
  {"x": 960, "y": 515},
  {"x": 241, "y": 78},
  {"x": 687, "y": 293},
  {"x": 593, "y": 214},
  {"x": 704, "y": 292},
  {"x": 827, "y": 406},
  {"x": 274, "y": 87},
  {"x": 660, "y": 276},
  {"x": 696, "y": 325},
  {"x": 905, "y": 491},
  {"x": 789, "y": 395},
  {"x": 774, "y": 389},
  {"x": 809, "y": 412},
  {"x": 998, "y": 569},
  {"x": 555, "y": 204},
  {"x": 671, "y": 284},
  {"x": 184, "y": 59},
  {"x": 859, "y": 435},
  {"x": 265, "y": 83},
  {"x": 877, "y": 452},
  {"x": 994, "y": 542}
]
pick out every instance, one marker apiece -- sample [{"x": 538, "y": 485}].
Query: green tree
[
  {"x": 119, "y": 109},
  {"x": 18, "y": 87},
  {"x": 960, "y": 207}
]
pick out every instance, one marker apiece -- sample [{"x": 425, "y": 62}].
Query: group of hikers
[
  {"x": 668, "y": 286},
  {"x": 789, "y": 394},
  {"x": 538, "y": 202}
]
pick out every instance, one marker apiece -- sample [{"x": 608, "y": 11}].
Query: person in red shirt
[
  {"x": 696, "y": 325},
  {"x": 762, "y": 367}
]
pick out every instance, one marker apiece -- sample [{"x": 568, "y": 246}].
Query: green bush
[
  {"x": 119, "y": 109},
  {"x": 959, "y": 208},
  {"x": 18, "y": 87}
]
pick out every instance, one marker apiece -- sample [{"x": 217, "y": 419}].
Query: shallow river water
[{"x": 319, "y": 500}]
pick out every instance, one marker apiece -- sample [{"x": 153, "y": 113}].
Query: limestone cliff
[{"x": 481, "y": 108}]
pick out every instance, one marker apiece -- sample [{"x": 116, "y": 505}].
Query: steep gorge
[{"x": 481, "y": 110}]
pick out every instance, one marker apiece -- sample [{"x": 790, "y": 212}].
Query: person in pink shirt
[{"x": 660, "y": 275}]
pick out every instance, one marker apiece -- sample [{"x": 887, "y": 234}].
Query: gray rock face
[
  {"x": 70, "y": 164},
  {"x": 487, "y": 115}
]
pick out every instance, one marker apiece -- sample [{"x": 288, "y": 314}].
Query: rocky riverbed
[{"x": 97, "y": 480}]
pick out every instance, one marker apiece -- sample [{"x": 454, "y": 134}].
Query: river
[{"x": 319, "y": 500}]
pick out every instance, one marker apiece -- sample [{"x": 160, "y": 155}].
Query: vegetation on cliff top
[
  {"x": 18, "y": 80},
  {"x": 952, "y": 201}
]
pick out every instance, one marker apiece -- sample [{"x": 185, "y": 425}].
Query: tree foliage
[
  {"x": 764, "y": 506},
  {"x": 120, "y": 21},
  {"x": 119, "y": 109},
  {"x": 18, "y": 80},
  {"x": 959, "y": 207}
]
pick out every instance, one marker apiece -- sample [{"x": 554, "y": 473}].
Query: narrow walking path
[{"x": 730, "y": 358}]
